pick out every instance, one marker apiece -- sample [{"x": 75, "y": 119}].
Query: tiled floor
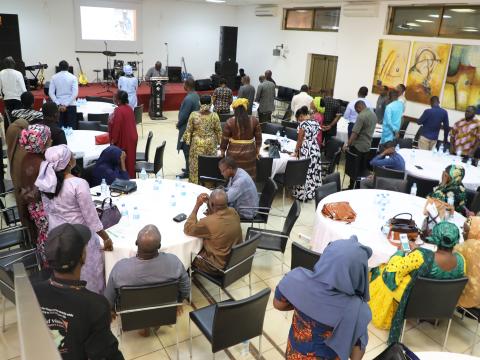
[{"x": 267, "y": 271}]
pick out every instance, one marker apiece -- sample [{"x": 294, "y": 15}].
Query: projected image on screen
[{"x": 100, "y": 23}]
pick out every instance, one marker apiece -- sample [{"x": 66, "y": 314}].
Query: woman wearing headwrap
[
  {"x": 129, "y": 84},
  {"x": 67, "y": 199},
  {"x": 34, "y": 140},
  {"x": 203, "y": 134},
  {"x": 242, "y": 138},
  {"x": 110, "y": 166},
  {"x": 330, "y": 303},
  {"x": 470, "y": 249},
  {"x": 452, "y": 184},
  {"x": 122, "y": 130},
  {"x": 318, "y": 111},
  {"x": 392, "y": 283}
]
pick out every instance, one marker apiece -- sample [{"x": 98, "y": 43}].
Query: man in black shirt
[
  {"x": 50, "y": 119},
  {"x": 78, "y": 319},
  {"x": 331, "y": 115}
]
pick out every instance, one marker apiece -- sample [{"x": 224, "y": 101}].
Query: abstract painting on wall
[
  {"x": 462, "y": 87},
  {"x": 392, "y": 58},
  {"x": 427, "y": 67}
]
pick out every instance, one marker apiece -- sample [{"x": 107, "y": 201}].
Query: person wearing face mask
[{"x": 465, "y": 134}]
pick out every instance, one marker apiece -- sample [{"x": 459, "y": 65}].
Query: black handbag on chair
[{"x": 397, "y": 351}]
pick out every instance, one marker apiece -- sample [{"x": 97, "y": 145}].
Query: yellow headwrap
[
  {"x": 240, "y": 102},
  {"x": 316, "y": 102}
]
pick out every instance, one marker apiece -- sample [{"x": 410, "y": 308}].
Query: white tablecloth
[
  {"x": 342, "y": 130},
  {"x": 155, "y": 208},
  {"x": 95, "y": 107},
  {"x": 278, "y": 165},
  {"x": 254, "y": 107},
  {"x": 367, "y": 226},
  {"x": 433, "y": 165},
  {"x": 82, "y": 144},
  {"x": 436, "y": 355}
]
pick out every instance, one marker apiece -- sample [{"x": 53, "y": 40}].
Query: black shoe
[
  {"x": 183, "y": 176},
  {"x": 184, "y": 170}
]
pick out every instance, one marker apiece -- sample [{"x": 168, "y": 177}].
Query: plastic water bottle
[
  {"x": 413, "y": 190},
  {"x": 435, "y": 151},
  {"x": 285, "y": 140},
  {"x": 469, "y": 162},
  {"x": 157, "y": 182},
  {"x": 124, "y": 210},
  {"x": 143, "y": 174},
  {"x": 173, "y": 201},
  {"x": 451, "y": 202},
  {"x": 278, "y": 135},
  {"x": 245, "y": 348},
  {"x": 440, "y": 149},
  {"x": 136, "y": 214},
  {"x": 104, "y": 188},
  {"x": 397, "y": 148}
]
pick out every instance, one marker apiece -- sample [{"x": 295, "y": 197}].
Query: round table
[
  {"x": 437, "y": 355},
  {"x": 342, "y": 130},
  {"x": 278, "y": 165},
  {"x": 95, "y": 107},
  {"x": 155, "y": 208},
  {"x": 432, "y": 164},
  {"x": 367, "y": 226},
  {"x": 82, "y": 144}
]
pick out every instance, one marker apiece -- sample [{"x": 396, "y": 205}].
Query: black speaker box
[
  {"x": 225, "y": 68},
  {"x": 10, "y": 39},
  {"x": 228, "y": 43},
  {"x": 174, "y": 74},
  {"x": 203, "y": 85}
]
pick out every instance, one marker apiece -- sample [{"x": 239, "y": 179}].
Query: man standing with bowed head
[
  {"x": 432, "y": 120},
  {"x": 64, "y": 91},
  {"x": 301, "y": 99},
  {"x": 220, "y": 230},
  {"x": 78, "y": 319},
  {"x": 247, "y": 91},
  {"x": 350, "y": 113},
  {"x": 190, "y": 103},
  {"x": 155, "y": 71},
  {"x": 392, "y": 120},
  {"x": 266, "y": 99},
  {"x": 465, "y": 134}
]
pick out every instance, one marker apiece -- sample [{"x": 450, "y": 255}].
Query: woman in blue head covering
[
  {"x": 110, "y": 166},
  {"x": 330, "y": 303},
  {"x": 129, "y": 84}
]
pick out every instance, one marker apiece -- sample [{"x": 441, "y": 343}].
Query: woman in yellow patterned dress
[{"x": 203, "y": 134}]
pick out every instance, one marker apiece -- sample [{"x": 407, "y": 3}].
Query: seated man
[
  {"x": 220, "y": 230},
  {"x": 79, "y": 319},
  {"x": 51, "y": 116},
  {"x": 241, "y": 190},
  {"x": 389, "y": 159},
  {"x": 27, "y": 111}
]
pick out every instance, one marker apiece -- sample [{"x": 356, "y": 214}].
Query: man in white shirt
[
  {"x": 63, "y": 91},
  {"x": 351, "y": 114},
  {"x": 301, "y": 99},
  {"x": 12, "y": 85}
]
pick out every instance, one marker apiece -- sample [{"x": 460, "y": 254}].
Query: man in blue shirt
[
  {"x": 63, "y": 91},
  {"x": 432, "y": 120},
  {"x": 350, "y": 112},
  {"x": 392, "y": 119}
]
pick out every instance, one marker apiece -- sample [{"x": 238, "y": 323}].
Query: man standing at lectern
[
  {"x": 190, "y": 103},
  {"x": 155, "y": 71}
]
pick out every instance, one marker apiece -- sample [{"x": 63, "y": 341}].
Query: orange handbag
[
  {"x": 102, "y": 139},
  {"x": 339, "y": 211}
]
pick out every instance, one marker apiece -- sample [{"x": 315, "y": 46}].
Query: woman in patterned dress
[
  {"x": 203, "y": 134},
  {"x": 307, "y": 148}
]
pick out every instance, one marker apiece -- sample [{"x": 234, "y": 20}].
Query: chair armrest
[
  {"x": 6, "y": 193},
  {"x": 266, "y": 232},
  {"x": 208, "y": 262},
  {"x": 304, "y": 237},
  {"x": 30, "y": 251},
  {"x": 254, "y": 207}
]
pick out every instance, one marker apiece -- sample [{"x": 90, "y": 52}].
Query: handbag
[
  {"x": 274, "y": 148},
  {"x": 123, "y": 186},
  {"x": 102, "y": 139},
  {"x": 397, "y": 351},
  {"x": 339, "y": 211},
  {"x": 435, "y": 211},
  {"x": 108, "y": 214},
  {"x": 402, "y": 226}
]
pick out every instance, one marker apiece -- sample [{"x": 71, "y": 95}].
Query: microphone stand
[{"x": 166, "y": 45}]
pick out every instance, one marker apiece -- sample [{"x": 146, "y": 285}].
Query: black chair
[
  {"x": 352, "y": 167},
  {"x": 208, "y": 171},
  {"x": 238, "y": 265},
  {"x": 403, "y": 128},
  {"x": 417, "y": 137},
  {"x": 323, "y": 191},
  {"x": 148, "y": 306},
  {"x": 432, "y": 299},
  {"x": 87, "y": 173},
  {"x": 78, "y": 119},
  {"x": 289, "y": 124},
  {"x": 375, "y": 142},
  {"x": 143, "y": 156},
  {"x": 277, "y": 240},
  {"x": 100, "y": 99},
  {"x": 303, "y": 257},
  {"x": 472, "y": 313},
  {"x": 247, "y": 314},
  {"x": 291, "y": 133},
  {"x": 138, "y": 112},
  {"x": 9, "y": 214},
  {"x": 224, "y": 117},
  {"x": 15, "y": 235},
  {"x": 476, "y": 155},
  {"x": 89, "y": 125},
  {"x": 391, "y": 184},
  {"x": 264, "y": 169},
  {"x": 331, "y": 155},
  {"x": 271, "y": 128},
  {"x": 333, "y": 178},
  {"x": 384, "y": 172},
  {"x": 264, "y": 204},
  {"x": 295, "y": 175},
  {"x": 101, "y": 118},
  {"x": 156, "y": 166},
  {"x": 424, "y": 186},
  {"x": 405, "y": 143},
  {"x": 475, "y": 203}
]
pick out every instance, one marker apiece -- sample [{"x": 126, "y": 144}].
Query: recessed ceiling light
[
  {"x": 462, "y": 10},
  {"x": 216, "y": 1},
  {"x": 424, "y": 21},
  {"x": 436, "y": 16},
  {"x": 470, "y": 29},
  {"x": 412, "y": 24}
]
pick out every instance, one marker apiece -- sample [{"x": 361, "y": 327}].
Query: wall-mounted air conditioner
[
  {"x": 360, "y": 10},
  {"x": 266, "y": 10}
]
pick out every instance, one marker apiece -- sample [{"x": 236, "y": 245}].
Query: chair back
[
  {"x": 333, "y": 178},
  {"x": 224, "y": 117},
  {"x": 434, "y": 299},
  {"x": 469, "y": 196},
  {"x": 391, "y": 184},
  {"x": 147, "y": 305},
  {"x": 240, "y": 260},
  {"x": 271, "y": 128},
  {"x": 375, "y": 142},
  {"x": 266, "y": 198},
  {"x": 264, "y": 169},
  {"x": 100, "y": 99},
  {"x": 289, "y": 124},
  {"x": 323, "y": 191},
  {"x": 424, "y": 186},
  {"x": 138, "y": 112},
  {"x": 87, "y": 173},
  {"x": 296, "y": 172},
  {"x": 335, "y": 161},
  {"x": 101, "y": 118},
  {"x": 247, "y": 315},
  {"x": 158, "y": 160},
  {"x": 89, "y": 125},
  {"x": 405, "y": 143},
  {"x": 403, "y": 127},
  {"x": 292, "y": 217},
  {"x": 79, "y": 117},
  {"x": 331, "y": 148},
  {"x": 303, "y": 257},
  {"x": 147, "y": 144},
  {"x": 384, "y": 172},
  {"x": 208, "y": 169},
  {"x": 417, "y": 136},
  {"x": 476, "y": 155},
  {"x": 475, "y": 204},
  {"x": 352, "y": 164},
  {"x": 291, "y": 133},
  {"x": 7, "y": 287}
]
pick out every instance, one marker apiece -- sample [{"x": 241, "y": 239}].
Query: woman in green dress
[
  {"x": 203, "y": 134},
  {"x": 452, "y": 185}
]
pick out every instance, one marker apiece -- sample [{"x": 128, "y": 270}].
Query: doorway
[{"x": 323, "y": 69}]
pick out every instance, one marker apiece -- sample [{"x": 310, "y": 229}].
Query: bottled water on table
[
  {"x": 136, "y": 214},
  {"x": 397, "y": 148},
  {"x": 158, "y": 181},
  {"x": 435, "y": 151},
  {"x": 104, "y": 188},
  {"x": 451, "y": 202},
  {"x": 413, "y": 190},
  {"x": 124, "y": 210},
  {"x": 245, "y": 348},
  {"x": 278, "y": 135},
  {"x": 173, "y": 201},
  {"x": 440, "y": 149},
  {"x": 143, "y": 174}
]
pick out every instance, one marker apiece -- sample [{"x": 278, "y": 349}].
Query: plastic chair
[
  {"x": 143, "y": 156},
  {"x": 405, "y": 143},
  {"x": 101, "y": 118},
  {"x": 303, "y": 257},
  {"x": 208, "y": 170},
  {"x": 391, "y": 184},
  {"x": 264, "y": 169},
  {"x": 331, "y": 155},
  {"x": 323, "y": 191},
  {"x": 291, "y": 133},
  {"x": 403, "y": 128},
  {"x": 247, "y": 314},
  {"x": 432, "y": 299},
  {"x": 264, "y": 204},
  {"x": 380, "y": 171},
  {"x": 334, "y": 177},
  {"x": 424, "y": 186},
  {"x": 271, "y": 128},
  {"x": 156, "y": 166},
  {"x": 295, "y": 175},
  {"x": 289, "y": 124}
]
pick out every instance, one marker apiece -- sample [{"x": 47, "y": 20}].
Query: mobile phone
[
  {"x": 419, "y": 167},
  {"x": 404, "y": 242},
  {"x": 180, "y": 217}
]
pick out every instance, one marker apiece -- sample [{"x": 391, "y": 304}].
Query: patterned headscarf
[
  {"x": 454, "y": 187},
  {"x": 457, "y": 173},
  {"x": 445, "y": 234},
  {"x": 318, "y": 106},
  {"x": 127, "y": 69},
  {"x": 240, "y": 102},
  {"x": 34, "y": 138}
]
